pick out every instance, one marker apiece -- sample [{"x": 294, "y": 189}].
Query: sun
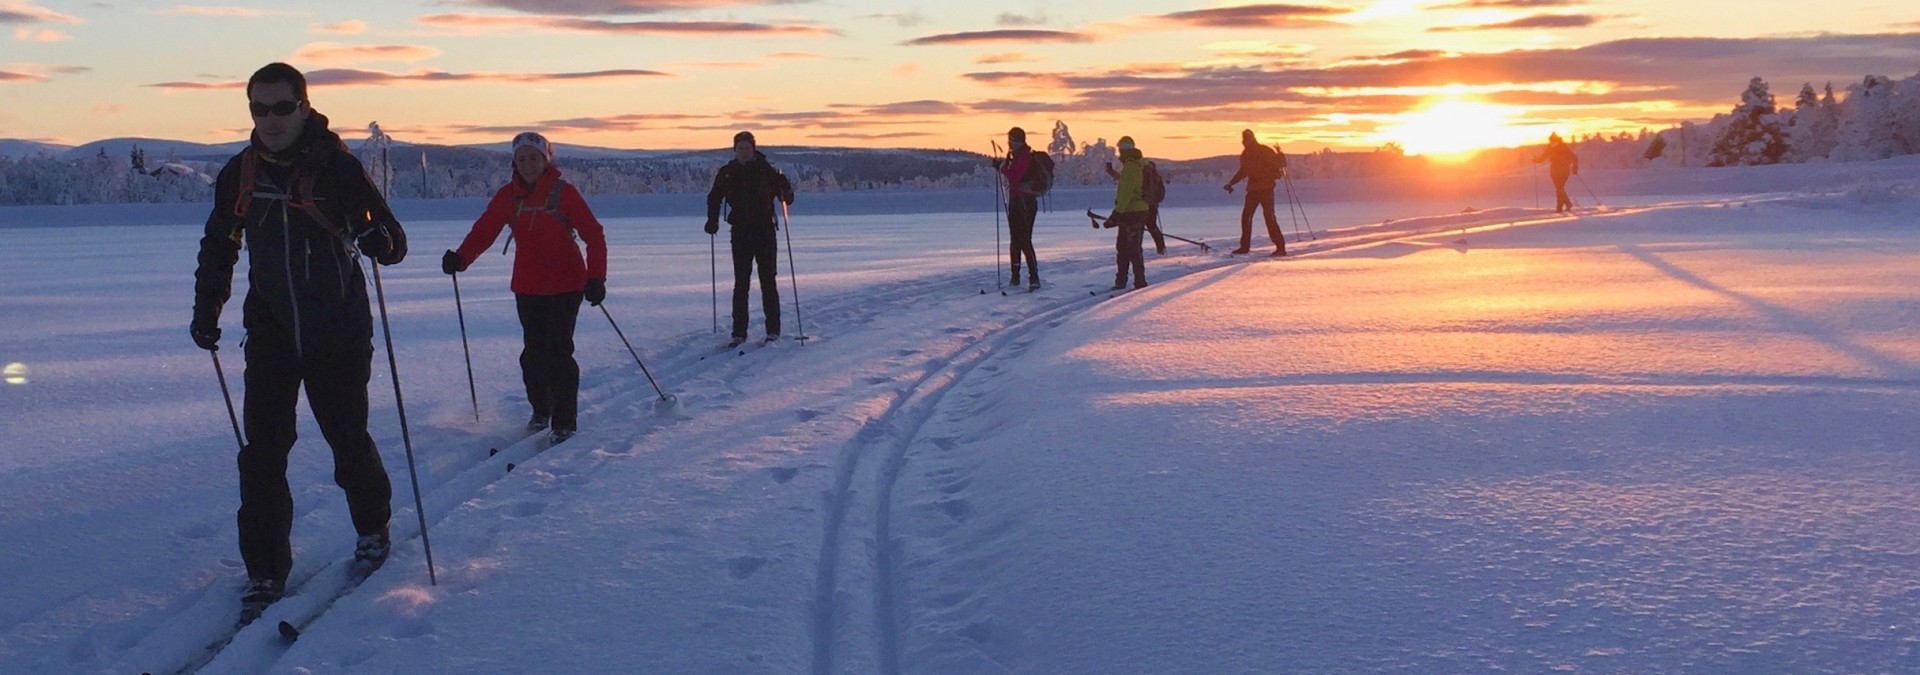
[{"x": 1455, "y": 128}]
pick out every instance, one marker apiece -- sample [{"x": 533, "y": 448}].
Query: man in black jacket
[
  {"x": 306, "y": 211},
  {"x": 749, "y": 186},
  {"x": 1263, "y": 168}
]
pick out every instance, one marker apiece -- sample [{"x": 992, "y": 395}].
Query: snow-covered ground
[{"x": 1668, "y": 436}]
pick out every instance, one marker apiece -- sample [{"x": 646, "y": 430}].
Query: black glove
[
  {"x": 451, "y": 262},
  {"x": 206, "y": 333},
  {"x": 787, "y": 197},
  {"x": 596, "y": 291},
  {"x": 385, "y": 246},
  {"x": 713, "y": 227}
]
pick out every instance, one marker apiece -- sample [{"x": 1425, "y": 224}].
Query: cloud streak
[
  {"x": 221, "y": 12},
  {"x": 347, "y": 77},
  {"x": 1256, "y": 16},
  {"x": 1510, "y": 4},
  {"x": 495, "y": 22},
  {"x": 603, "y": 7},
  {"x": 20, "y": 12},
  {"x": 999, "y": 36},
  {"x": 348, "y": 27},
  {"x": 333, "y": 52},
  {"x": 1535, "y": 22}
]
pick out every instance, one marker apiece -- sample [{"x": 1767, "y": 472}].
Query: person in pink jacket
[{"x": 550, "y": 277}]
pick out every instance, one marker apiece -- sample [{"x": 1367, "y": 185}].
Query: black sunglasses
[{"x": 281, "y": 109}]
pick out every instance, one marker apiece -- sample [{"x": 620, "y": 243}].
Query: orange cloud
[
  {"x": 348, "y": 27},
  {"x": 333, "y": 52},
  {"x": 1004, "y": 57},
  {"x": 35, "y": 73},
  {"x": 347, "y": 77},
  {"x": 998, "y": 36},
  {"x": 495, "y": 22}
]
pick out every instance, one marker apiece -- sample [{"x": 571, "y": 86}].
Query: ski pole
[
  {"x": 235, "y": 420},
  {"x": 1535, "y": 182},
  {"x": 461, "y": 312},
  {"x": 1303, "y": 209},
  {"x": 1293, "y": 211},
  {"x": 393, "y": 366},
  {"x": 713, "y": 274},
  {"x": 997, "y": 201},
  {"x": 664, "y": 396},
  {"x": 793, "y": 276},
  {"x": 1583, "y": 185}
]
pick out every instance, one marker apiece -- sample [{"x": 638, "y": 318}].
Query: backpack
[
  {"x": 1152, "y": 186},
  {"x": 1039, "y": 178}
]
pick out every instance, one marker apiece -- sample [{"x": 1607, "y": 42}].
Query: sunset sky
[{"x": 1180, "y": 77}]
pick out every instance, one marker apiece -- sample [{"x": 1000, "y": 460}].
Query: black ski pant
[
  {"x": 335, "y": 374},
  {"x": 1560, "y": 199},
  {"x": 1021, "y": 212},
  {"x": 751, "y": 249},
  {"x": 546, "y": 359},
  {"x": 1129, "y": 229},
  {"x": 1153, "y": 227},
  {"x": 1260, "y": 199}
]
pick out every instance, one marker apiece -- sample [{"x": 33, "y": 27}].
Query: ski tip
[
  {"x": 288, "y": 631},
  {"x": 983, "y": 291},
  {"x": 509, "y": 467},
  {"x": 492, "y": 451}
]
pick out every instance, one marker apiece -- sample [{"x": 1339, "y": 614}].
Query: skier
[
  {"x": 549, "y": 276},
  {"x": 1131, "y": 216},
  {"x": 1029, "y": 175},
  {"x": 1262, "y": 167},
  {"x": 749, "y": 185},
  {"x": 1561, "y": 162},
  {"x": 309, "y": 211}
]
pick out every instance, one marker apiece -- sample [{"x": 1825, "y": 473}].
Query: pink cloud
[
  {"x": 1257, "y": 16},
  {"x": 998, "y": 36},
  {"x": 23, "y": 12},
  {"x": 26, "y": 34},
  {"x": 1535, "y": 22},
  {"x": 333, "y": 52},
  {"x": 1004, "y": 57},
  {"x": 670, "y": 28},
  {"x": 600, "y": 7},
  {"x": 348, "y": 27},
  {"x": 223, "y": 11},
  {"x": 1510, "y": 4}
]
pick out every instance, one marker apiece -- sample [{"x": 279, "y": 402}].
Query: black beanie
[
  {"x": 1017, "y": 132},
  {"x": 745, "y": 136}
]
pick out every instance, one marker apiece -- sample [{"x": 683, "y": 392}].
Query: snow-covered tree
[
  {"x": 1814, "y": 125},
  {"x": 1878, "y": 119},
  {"x": 1062, "y": 140},
  {"x": 1754, "y": 133}
]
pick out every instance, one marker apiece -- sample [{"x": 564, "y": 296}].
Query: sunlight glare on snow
[{"x": 16, "y": 373}]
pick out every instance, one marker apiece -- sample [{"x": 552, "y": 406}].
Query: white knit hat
[{"x": 531, "y": 139}]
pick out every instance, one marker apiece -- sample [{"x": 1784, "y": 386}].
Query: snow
[{"x": 1670, "y": 434}]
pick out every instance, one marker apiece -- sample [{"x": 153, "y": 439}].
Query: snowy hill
[
  {"x": 155, "y": 148},
  {"x": 18, "y": 148}
]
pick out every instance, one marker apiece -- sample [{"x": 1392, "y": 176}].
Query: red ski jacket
[{"x": 544, "y": 218}]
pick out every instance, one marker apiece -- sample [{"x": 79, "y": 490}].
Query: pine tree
[
  {"x": 1753, "y": 134},
  {"x": 1062, "y": 140}
]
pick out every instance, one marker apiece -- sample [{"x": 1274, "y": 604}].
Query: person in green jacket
[{"x": 1131, "y": 216}]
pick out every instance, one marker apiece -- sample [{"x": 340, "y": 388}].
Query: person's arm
[
  {"x": 373, "y": 226},
  {"x": 589, "y": 228},
  {"x": 786, "y": 187},
  {"x": 1237, "y": 175},
  {"x": 219, "y": 250},
  {"x": 714, "y": 197},
  {"x": 486, "y": 228}
]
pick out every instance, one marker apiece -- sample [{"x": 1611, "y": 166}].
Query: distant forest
[{"x": 1875, "y": 118}]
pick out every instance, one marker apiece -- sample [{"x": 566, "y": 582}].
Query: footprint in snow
[{"x": 744, "y": 566}]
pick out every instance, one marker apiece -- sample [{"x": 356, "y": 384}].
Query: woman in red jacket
[{"x": 549, "y": 276}]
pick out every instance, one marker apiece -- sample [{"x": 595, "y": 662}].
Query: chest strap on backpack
[{"x": 553, "y": 207}]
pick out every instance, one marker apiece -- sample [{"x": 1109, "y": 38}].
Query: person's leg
[
  {"x": 336, "y": 384},
  {"x": 742, "y": 281},
  {"x": 535, "y": 371},
  {"x": 265, "y": 517},
  {"x": 1273, "y": 223},
  {"x": 1119, "y": 250},
  {"x": 1153, "y": 226},
  {"x": 1246, "y": 220},
  {"x": 553, "y": 318},
  {"x": 767, "y": 257},
  {"x": 1014, "y": 251},
  {"x": 1135, "y": 249},
  {"x": 1029, "y": 211}
]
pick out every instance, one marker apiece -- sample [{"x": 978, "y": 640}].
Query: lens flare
[{"x": 16, "y": 373}]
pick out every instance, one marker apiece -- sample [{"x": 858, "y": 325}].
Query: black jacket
[
  {"x": 749, "y": 190},
  {"x": 304, "y": 278}
]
